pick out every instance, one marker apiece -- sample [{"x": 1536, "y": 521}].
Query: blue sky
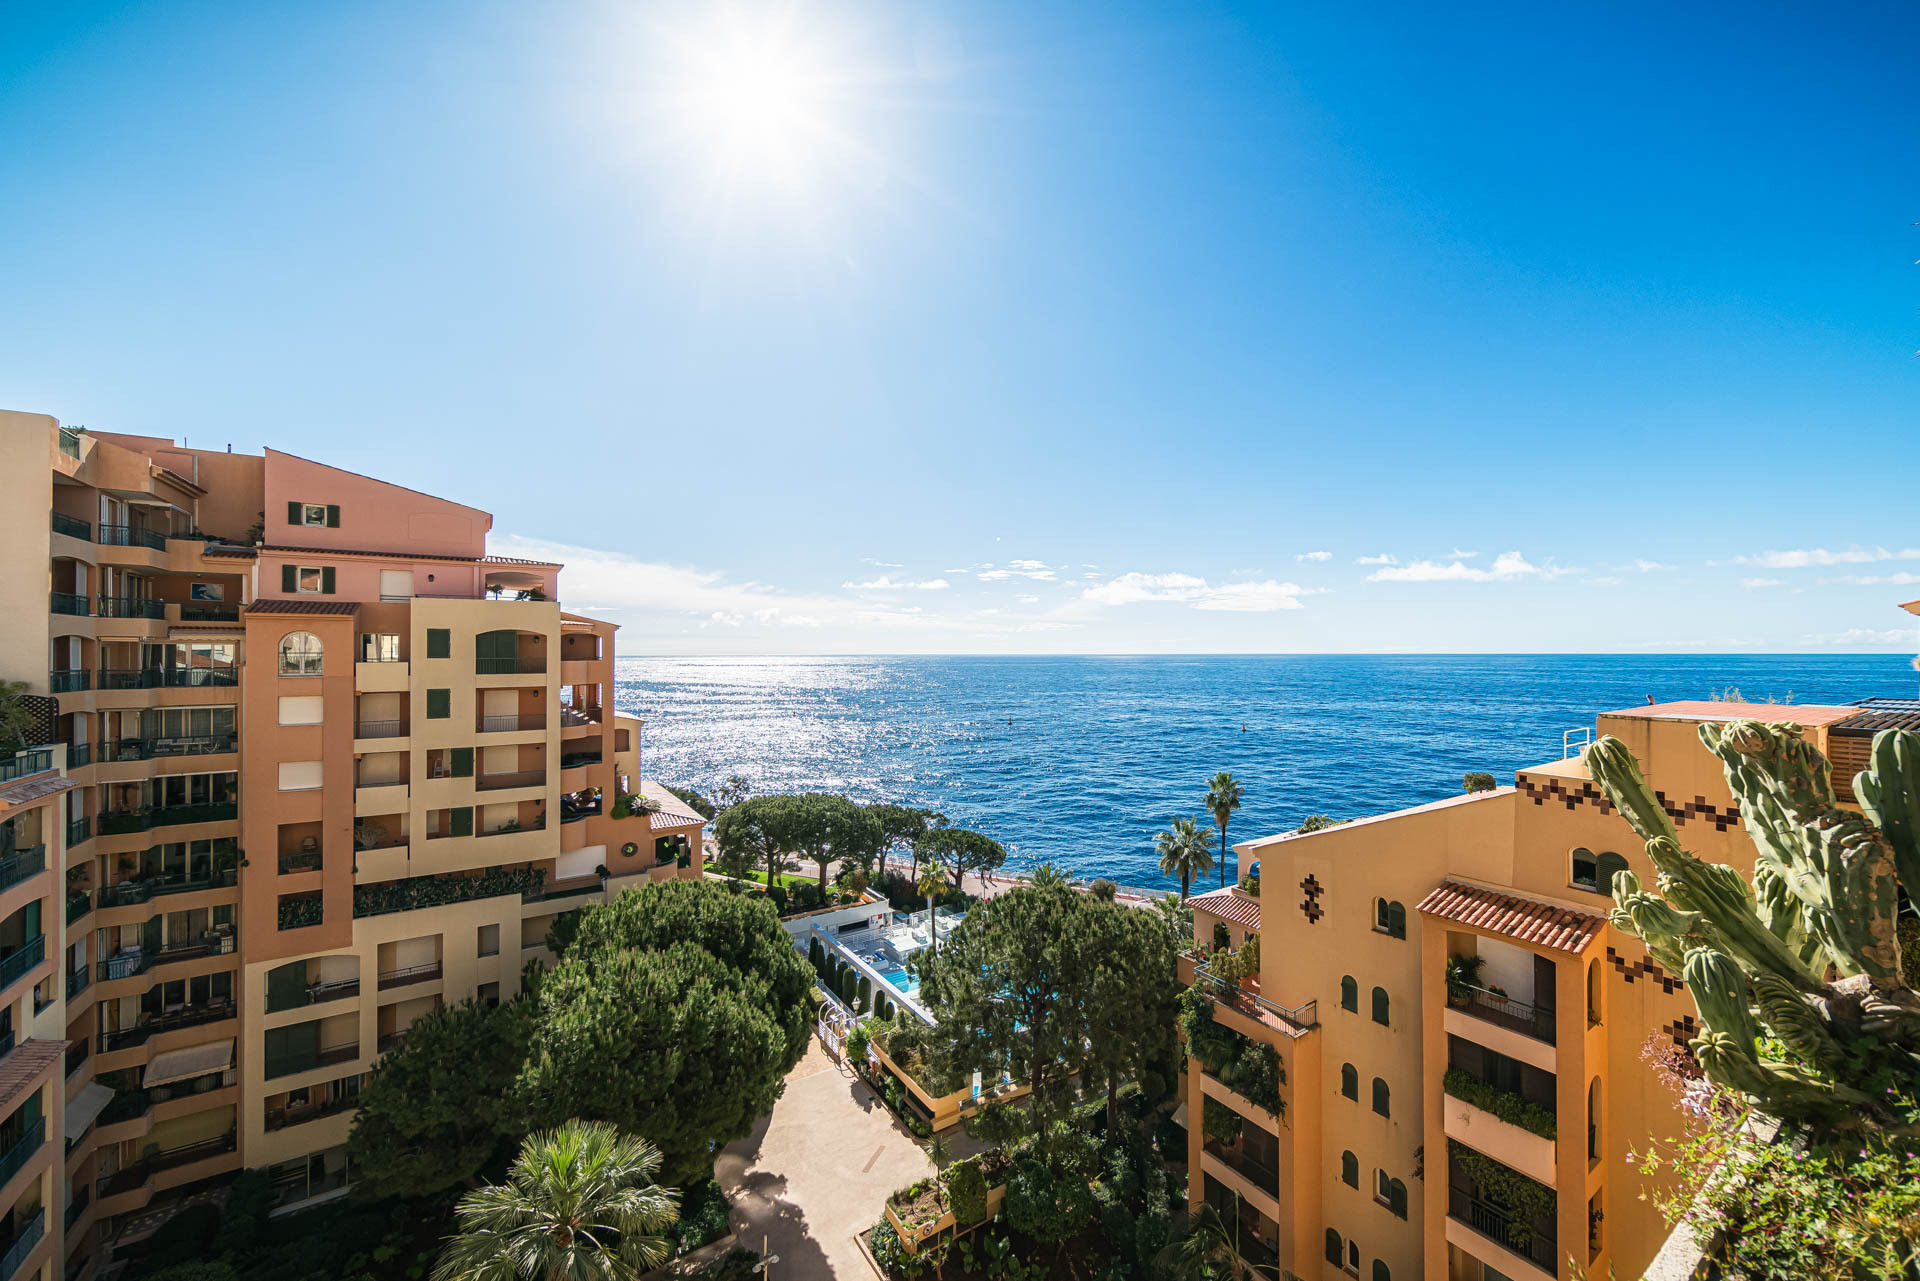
[{"x": 1133, "y": 334}]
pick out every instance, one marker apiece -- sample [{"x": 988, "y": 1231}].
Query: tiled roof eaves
[
  {"x": 278, "y": 606},
  {"x": 399, "y": 554},
  {"x": 1513, "y": 916}
]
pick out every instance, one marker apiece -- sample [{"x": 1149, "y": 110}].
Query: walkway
[{"x": 818, "y": 1171}]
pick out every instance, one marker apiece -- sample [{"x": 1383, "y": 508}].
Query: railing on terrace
[
  {"x": 388, "y": 1040},
  {"x": 25, "y": 764},
  {"x": 129, "y": 678},
  {"x": 71, "y": 603},
  {"x": 116, "y": 821},
  {"x": 408, "y": 975},
  {"x": 383, "y": 840},
  {"x": 380, "y": 729},
  {"x": 146, "y": 749},
  {"x": 534, "y": 665},
  {"x": 19, "y": 962},
  {"x": 70, "y": 440},
  {"x": 79, "y": 903},
  {"x": 129, "y": 893},
  {"x": 571, "y": 887},
  {"x": 1494, "y": 1223},
  {"x": 77, "y": 1053},
  {"x": 300, "y": 861},
  {"x": 1262, "y": 1176},
  {"x": 517, "y": 778},
  {"x": 130, "y": 607},
  {"x": 1516, "y": 1016},
  {"x": 79, "y": 829},
  {"x": 71, "y": 681},
  {"x": 18, "y": 866},
  {"x": 72, "y": 527},
  {"x": 132, "y": 536},
  {"x": 282, "y": 1118},
  {"x": 210, "y": 943},
  {"x": 78, "y": 1206},
  {"x": 538, "y": 825},
  {"x": 137, "y": 1174},
  {"x": 1302, "y": 1016},
  {"x": 379, "y": 898},
  {"x": 577, "y": 759},
  {"x": 313, "y": 994},
  {"x": 79, "y": 754},
  {"x": 126, "y": 965},
  {"x": 6, "y": 1042},
  {"x": 288, "y": 1064},
  {"x": 23, "y": 1245},
  {"x": 512, "y": 724},
  {"x": 201, "y": 677},
  {"x": 22, "y": 1151},
  {"x": 140, "y": 1033},
  {"x": 77, "y": 981},
  {"x": 209, "y": 611},
  {"x": 575, "y": 815}
]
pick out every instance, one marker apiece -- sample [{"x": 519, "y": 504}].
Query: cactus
[{"x": 1797, "y": 977}]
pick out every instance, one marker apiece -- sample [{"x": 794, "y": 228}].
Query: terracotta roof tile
[
  {"x": 24, "y": 1064},
  {"x": 34, "y": 789},
  {"x": 301, "y": 607},
  {"x": 1526, "y": 919},
  {"x": 1229, "y": 905},
  {"x": 403, "y": 554},
  {"x": 228, "y": 549}
]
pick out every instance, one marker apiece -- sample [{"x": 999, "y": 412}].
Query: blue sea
[{"x": 1081, "y": 760}]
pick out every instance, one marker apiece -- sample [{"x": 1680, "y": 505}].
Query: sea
[{"x": 1081, "y": 760}]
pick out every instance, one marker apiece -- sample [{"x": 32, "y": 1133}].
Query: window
[
  {"x": 1353, "y": 1256},
  {"x": 1335, "y": 1250},
  {"x": 1380, "y": 1271},
  {"x": 1380, "y": 1185},
  {"x": 1586, "y": 870},
  {"x": 1397, "y": 1198},
  {"x": 489, "y": 994},
  {"x": 1390, "y": 918},
  {"x": 307, "y": 579},
  {"x": 317, "y": 515},
  {"x": 1381, "y": 1102},
  {"x": 1610, "y": 865},
  {"x": 439, "y": 704},
  {"x": 460, "y": 821},
  {"x": 1380, "y": 1007},
  {"x": 439, "y": 642},
  {"x": 313, "y": 514},
  {"x": 300, "y": 654},
  {"x": 379, "y": 647},
  {"x": 489, "y": 940},
  {"x": 300, "y": 709},
  {"x": 1349, "y": 994},
  {"x": 1350, "y": 1085},
  {"x": 1350, "y": 1169},
  {"x": 299, "y": 776}
]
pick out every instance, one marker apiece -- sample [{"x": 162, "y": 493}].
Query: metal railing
[
  {"x": 17, "y": 867},
  {"x": 124, "y": 966},
  {"x": 71, "y": 681},
  {"x": 380, "y": 729},
  {"x": 129, "y": 678},
  {"x": 22, "y": 1152},
  {"x": 132, "y": 536},
  {"x": 283, "y": 1117},
  {"x": 1503, "y": 1011},
  {"x": 72, "y": 527},
  {"x": 79, "y": 829},
  {"x": 575, "y": 760},
  {"x": 19, "y": 962},
  {"x": 511, "y": 724},
  {"x": 130, "y": 893},
  {"x": 535, "y": 665},
  {"x": 209, "y": 611},
  {"x": 518, "y": 778},
  {"x": 409, "y": 974},
  {"x": 1305, "y": 1015},
  {"x": 1496, "y": 1224},
  {"x": 1261, "y": 1175},
  {"x": 78, "y": 1206},
  {"x": 130, "y": 607},
  {"x": 538, "y": 825},
  {"x": 210, "y": 943},
  {"x": 77, "y": 981},
  {"x": 23, "y": 1245},
  {"x": 141, "y": 1032},
  {"x": 79, "y": 754},
  {"x": 137, "y": 1174},
  {"x": 79, "y": 903},
  {"x": 199, "y": 677},
  {"x": 300, "y": 861},
  {"x": 70, "y": 440},
  {"x": 288, "y": 1064},
  {"x": 115, "y": 821},
  {"x": 25, "y": 764},
  {"x": 72, "y": 603}
]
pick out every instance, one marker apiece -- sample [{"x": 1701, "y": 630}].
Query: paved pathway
[{"x": 817, "y": 1171}]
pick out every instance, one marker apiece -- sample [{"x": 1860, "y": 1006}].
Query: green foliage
[
  {"x": 737, "y": 1264},
  {"x": 187, "y": 1237},
  {"x": 1463, "y": 974},
  {"x": 244, "y": 1221},
  {"x": 436, "y": 1107},
  {"x": 1224, "y": 794},
  {"x": 676, "y": 1015},
  {"x": 1222, "y": 936},
  {"x": 382, "y": 897},
  {"x": 1477, "y": 781},
  {"x": 1505, "y": 1104},
  {"x": 1318, "y": 823},
  {"x": 17, "y": 718},
  {"x": 1186, "y": 851},
  {"x": 196, "y": 1271},
  {"x": 561, "y": 933},
  {"x": 1251, "y": 1069},
  {"x": 1523, "y": 1199},
  {"x": 703, "y": 1216},
  {"x": 1050, "y": 1194},
  {"x": 960, "y": 852},
  {"x": 967, "y": 1192},
  {"x": 1220, "y": 1122},
  {"x": 892, "y": 1257}
]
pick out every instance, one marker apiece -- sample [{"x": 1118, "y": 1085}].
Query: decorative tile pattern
[
  {"x": 1310, "y": 905},
  {"x": 1573, "y": 793},
  {"x": 1648, "y": 968},
  {"x": 1682, "y": 1030}
]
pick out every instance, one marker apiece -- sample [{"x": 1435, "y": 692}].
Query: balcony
[
  {"x": 300, "y": 861},
  {"x": 136, "y": 1175},
  {"x": 25, "y": 764},
  {"x": 30, "y": 1236},
  {"x": 78, "y": 1206},
  {"x": 380, "y": 898},
  {"x": 408, "y": 975},
  {"x": 21, "y": 1152},
  {"x": 118, "y": 821},
  {"x": 313, "y": 994},
  {"x": 209, "y": 611},
  {"x": 79, "y": 830},
  {"x": 217, "y": 942},
  {"x": 132, "y": 536},
  {"x": 189, "y": 1016},
  {"x": 79, "y": 903},
  {"x": 574, "y": 760},
  {"x": 129, "y": 678},
  {"x": 130, "y": 607},
  {"x": 79, "y": 754},
  {"x": 288, "y": 1064},
  {"x": 17, "y": 867},
  {"x": 511, "y": 724},
  {"x": 69, "y": 682},
  {"x": 147, "y": 749},
  {"x": 380, "y": 729},
  {"x": 518, "y": 778},
  {"x": 69, "y": 603},
  {"x": 18, "y": 963},
  {"x": 72, "y": 527},
  {"x": 128, "y": 964},
  {"x": 281, "y": 1118},
  {"x": 1248, "y": 1002},
  {"x": 130, "y": 893},
  {"x": 493, "y": 665},
  {"x": 77, "y": 981},
  {"x": 1262, "y": 1176},
  {"x": 1502, "y": 1010},
  {"x": 1534, "y": 1243}
]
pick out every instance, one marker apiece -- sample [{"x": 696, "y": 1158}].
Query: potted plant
[{"x": 1463, "y": 975}]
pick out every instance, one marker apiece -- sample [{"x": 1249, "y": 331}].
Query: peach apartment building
[
  {"x": 1360, "y": 1176},
  {"x": 306, "y": 763}
]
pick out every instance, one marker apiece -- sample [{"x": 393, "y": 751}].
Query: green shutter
[
  {"x": 326, "y": 581},
  {"x": 439, "y": 642},
  {"x": 289, "y": 578},
  {"x": 287, "y": 987},
  {"x": 461, "y": 820},
  {"x": 439, "y": 704},
  {"x": 1397, "y": 920},
  {"x": 293, "y": 513},
  {"x": 1333, "y": 1248},
  {"x": 463, "y": 762},
  {"x": 333, "y": 516}
]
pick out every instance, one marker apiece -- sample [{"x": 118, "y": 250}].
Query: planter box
[{"x": 911, "y": 1239}]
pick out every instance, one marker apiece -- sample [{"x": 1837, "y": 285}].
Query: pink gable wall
[{"x": 374, "y": 516}]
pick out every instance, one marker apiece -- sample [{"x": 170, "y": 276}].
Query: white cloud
[
  {"x": 1026, "y": 565},
  {"x": 883, "y": 564},
  {"x": 1188, "y": 589},
  {"x": 1801, "y": 558},
  {"x": 886, "y": 584},
  {"x": 1457, "y": 554},
  {"x": 1028, "y": 600},
  {"x": 1384, "y": 558},
  {"x": 1607, "y": 580},
  {"x": 1314, "y": 556},
  {"x": 1650, "y": 566},
  {"x": 1506, "y": 566},
  {"x": 1905, "y": 578},
  {"x": 1037, "y": 570},
  {"x": 1751, "y": 583},
  {"x": 1903, "y": 636}
]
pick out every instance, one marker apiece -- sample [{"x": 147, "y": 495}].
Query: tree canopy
[
  {"x": 1186, "y": 851},
  {"x": 752, "y": 831},
  {"x": 903, "y": 825},
  {"x": 435, "y": 1108},
  {"x": 961, "y": 852}
]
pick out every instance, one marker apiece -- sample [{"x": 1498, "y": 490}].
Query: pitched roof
[
  {"x": 229, "y": 549},
  {"x": 34, "y": 789},
  {"x": 25, "y": 1063},
  {"x": 404, "y": 554},
  {"x": 673, "y": 811},
  {"x": 1229, "y": 905},
  {"x": 1528, "y": 920},
  {"x": 275, "y": 606}
]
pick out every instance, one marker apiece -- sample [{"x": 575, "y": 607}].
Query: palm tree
[
  {"x": 933, "y": 879},
  {"x": 1223, "y": 798},
  {"x": 1042, "y": 875},
  {"x": 579, "y": 1204},
  {"x": 1186, "y": 851},
  {"x": 1209, "y": 1249}
]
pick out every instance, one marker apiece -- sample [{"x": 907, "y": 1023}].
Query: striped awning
[
  {"x": 86, "y": 1105},
  {"x": 194, "y": 1060}
]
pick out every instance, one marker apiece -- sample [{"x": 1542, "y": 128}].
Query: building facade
[
  {"x": 306, "y": 764},
  {"x": 1452, "y": 1009}
]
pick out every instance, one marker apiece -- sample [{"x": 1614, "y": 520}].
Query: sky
[{"x": 1024, "y": 327}]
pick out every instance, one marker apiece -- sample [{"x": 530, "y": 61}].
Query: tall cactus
[{"x": 1797, "y": 977}]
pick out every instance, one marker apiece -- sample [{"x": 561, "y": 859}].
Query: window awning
[
  {"x": 86, "y": 1105},
  {"x": 195, "y": 1060}
]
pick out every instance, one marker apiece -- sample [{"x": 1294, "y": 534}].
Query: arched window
[
  {"x": 1609, "y": 864},
  {"x": 1353, "y": 1256},
  {"x": 1593, "y": 1120},
  {"x": 1350, "y": 1169},
  {"x": 1350, "y": 1083},
  {"x": 1381, "y": 1102},
  {"x": 1397, "y": 1197},
  {"x": 1335, "y": 1250},
  {"x": 1381, "y": 1184},
  {"x": 1390, "y": 918},
  {"x": 300, "y": 654},
  {"x": 1349, "y": 994},
  {"x": 1593, "y": 993},
  {"x": 1380, "y": 1006},
  {"x": 1380, "y": 1270},
  {"x": 1585, "y": 873}
]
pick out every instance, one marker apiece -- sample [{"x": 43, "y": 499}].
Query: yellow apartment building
[
  {"x": 1388, "y": 1159},
  {"x": 307, "y": 763}
]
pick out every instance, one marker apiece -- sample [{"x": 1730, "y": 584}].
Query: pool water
[{"x": 902, "y": 982}]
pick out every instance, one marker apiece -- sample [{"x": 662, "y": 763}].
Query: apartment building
[
  {"x": 1388, "y": 1159},
  {"x": 307, "y": 763}
]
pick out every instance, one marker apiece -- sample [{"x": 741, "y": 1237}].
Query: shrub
[
  {"x": 1509, "y": 1107},
  {"x": 849, "y": 985},
  {"x": 200, "y": 1271},
  {"x": 1222, "y": 936},
  {"x": 703, "y": 1216},
  {"x": 1104, "y": 890},
  {"x": 779, "y": 896},
  {"x": 892, "y": 1257},
  {"x": 737, "y": 1264},
  {"x": 185, "y": 1238},
  {"x": 857, "y": 1041},
  {"x": 243, "y": 1225},
  {"x": 967, "y": 1193},
  {"x": 866, "y": 992},
  {"x": 1220, "y": 1122}
]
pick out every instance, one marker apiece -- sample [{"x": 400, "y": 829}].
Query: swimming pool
[{"x": 902, "y": 982}]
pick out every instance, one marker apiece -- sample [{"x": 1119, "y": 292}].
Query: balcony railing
[
  {"x": 209, "y": 611},
  {"x": 79, "y": 903},
  {"x": 69, "y": 682},
  {"x": 69, "y": 603},
  {"x": 23, "y": 1245},
  {"x": 533, "y": 665},
  {"x": 1262, "y": 1176},
  {"x": 72, "y": 527},
  {"x": 77, "y": 1052},
  {"x": 380, "y": 729},
  {"x": 132, "y": 536},
  {"x": 70, "y": 440},
  {"x": 1494, "y": 1223},
  {"x": 131, "y": 606},
  {"x": 147, "y": 749},
  {"x": 77, "y": 981},
  {"x": 300, "y": 861},
  {"x": 209, "y": 943},
  {"x": 518, "y": 778},
  {"x": 22, "y": 1152},
  {"x": 313, "y": 994},
  {"x": 79, "y": 754},
  {"x": 1516, "y": 1016},
  {"x": 126, "y": 965},
  {"x": 79, "y": 830},
  {"x": 129, "y": 893},
  {"x": 409, "y": 975},
  {"x": 576, "y": 759},
  {"x": 19, "y": 962},
  {"x": 129, "y": 678},
  {"x": 1251, "y": 1003},
  {"x": 190, "y": 1016},
  {"x": 17, "y": 867},
  {"x": 78, "y": 1206},
  {"x": 512, "y": 724},
  {"x": 137, "y": 1174},
  {"x": 281, "y": 1118},
  {"x": 288, "y": 1064},
  {"x": 25, "y": 764},
  {"x": 538, "y": 825},
  {"x": 116, "y": 821},
  {"x": 200, "y": 677}
]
